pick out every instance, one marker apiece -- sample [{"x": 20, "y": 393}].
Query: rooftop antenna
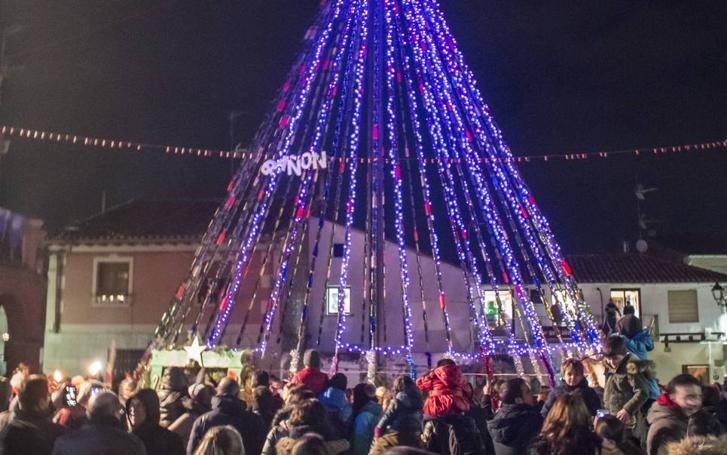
[{"x": 640, "y": 192}]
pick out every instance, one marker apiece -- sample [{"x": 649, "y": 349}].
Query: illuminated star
[{"x": 195, "y": 350}]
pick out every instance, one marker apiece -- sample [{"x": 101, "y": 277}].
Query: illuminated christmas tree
[{"x": 380, "y": 157}]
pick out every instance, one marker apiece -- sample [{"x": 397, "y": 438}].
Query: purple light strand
[
  {"x": 273, "y": 181},
  {"x": 329, "y": 180},
  {"x": 304, "y": 214},
  {"x": 463, "y": 250},
  {"x": 395, "y": 173},
  {"x": 516, "y": 207},
  {"x": 353, "y": 166},
  {"x": 504, "y": 245},
  {"x": 528, "y": 200},
  {"x": 426, "y": 191}
]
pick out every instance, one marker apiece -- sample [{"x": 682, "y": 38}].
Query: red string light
[{"x": 240, "y": 154}]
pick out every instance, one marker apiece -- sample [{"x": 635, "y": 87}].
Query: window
[
  {"x": 126, "y": 361},
  {"x": 564, "y": 298},
  {"x": 112, "y": 279},
  {"x": 700, "y": 372},
  {"x": 561, "y": 302},
  {"x": 338, "y": 250},
  {"x": 624, "y": 297},
  {"x": 535, "y": 297},
  {"x": 332, "y": 301},
  {"x": 683, "y": 306},
  {"x": 492, "y": 310}
]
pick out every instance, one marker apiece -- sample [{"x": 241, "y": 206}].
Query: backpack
[{"x": 455, "y": 435}]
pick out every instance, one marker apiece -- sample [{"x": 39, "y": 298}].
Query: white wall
[
  {"x": 73, "y": 349},
  {"x": 654, "y": 302},
  {"x": 716, "y": 263}
]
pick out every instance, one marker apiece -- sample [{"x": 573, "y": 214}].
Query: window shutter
[{"x": 683, "y": 306}]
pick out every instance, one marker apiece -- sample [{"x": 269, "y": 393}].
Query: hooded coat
[
  {"x": 155, "y": 438},
  {"x": 514, "y": 427},
  {"x": 629, "y": 325},
  {"x": 626, "y": 388},
  {"x": 404, "y": 414},
  {"x": 172, "y": 392},
  {"x": 590, "y": 397},
  {"x": 640, "y": 344},
  {"x": 336, "y": 405},
  {"x": 230, "y": 410},
  {"x": 364, "y": 424},
  {"x": 457, "y": 434},
  {"x": 692, "y": 445},
  {"x": 449, "y": 393},
  {"x": 313, "y": 378},
  {"x": 668, "y": 424}
]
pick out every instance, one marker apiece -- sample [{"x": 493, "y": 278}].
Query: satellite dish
[
  {"x": 640, "y": 192},
  {"x": 641, "y": 246}
]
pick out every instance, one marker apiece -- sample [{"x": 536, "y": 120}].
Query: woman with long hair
[
  {"x": 309, "y": 417},
  {"x": 224, "y": 440},
  {"x": 567, "y": 430}
]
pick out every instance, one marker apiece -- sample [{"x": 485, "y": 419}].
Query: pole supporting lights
[{"x": 718, "y": 293}]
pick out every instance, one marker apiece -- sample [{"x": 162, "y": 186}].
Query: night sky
[{"x": 559, "y": 77}]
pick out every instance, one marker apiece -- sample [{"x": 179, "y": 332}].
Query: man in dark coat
[
  {"x": 105, "y": 433},
  {"x": 30, "y": 430},
  {"x": 228, "y": 409},
  {"x": 629, "y": 325},
  {"x": 574, "y": 381},
  {"x": 609, "y": 324},
  {"x": 517, "y": 422}
]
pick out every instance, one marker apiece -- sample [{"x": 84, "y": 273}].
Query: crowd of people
[{"x": 441, "y": 412}]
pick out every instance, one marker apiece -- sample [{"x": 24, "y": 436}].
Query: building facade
[
  {"x": 22, "y": 290},
  {"x": 111, "y": 278}
]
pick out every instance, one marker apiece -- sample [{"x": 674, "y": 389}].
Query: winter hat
[
  {"x": 195, "y": 389},
  {"x": 312, "y": 358},
  {"x": 338, "y": 381}
]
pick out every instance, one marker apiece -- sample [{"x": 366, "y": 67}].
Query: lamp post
[
  {"x": 719, "y": 295},
  {"x": 720, "y": 298}
]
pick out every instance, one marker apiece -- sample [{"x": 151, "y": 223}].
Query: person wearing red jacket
[
  {"x": 449, "y": 392},
  {"x": 311, "y": 376}
]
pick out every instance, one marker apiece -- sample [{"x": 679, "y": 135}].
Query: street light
[{"x": 718, "y": 293}]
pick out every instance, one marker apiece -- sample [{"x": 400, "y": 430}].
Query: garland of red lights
[{"x": 244, "y": 154}]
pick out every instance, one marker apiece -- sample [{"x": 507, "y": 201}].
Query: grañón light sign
[{"x": 294, "y": 164}]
